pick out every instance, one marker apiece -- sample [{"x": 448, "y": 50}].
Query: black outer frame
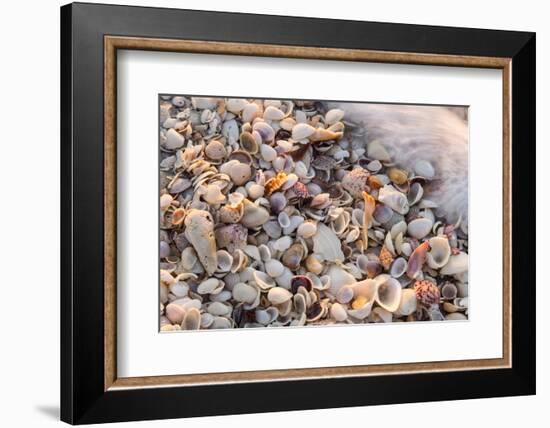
[{"x": 83, "y": 399}]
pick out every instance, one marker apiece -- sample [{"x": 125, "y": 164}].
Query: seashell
[
  {"x": 283, "y": 219},
  {"x": 249, "y": 143},
  {"x": 327, "y": 244},
  {"x": 265, "y": 130},
  {"x": 407, "y": 305},
  {"x": 199, "y": 231},
  {"x": 178, "y": 216},
  {"x": 368, "y": 213},
  {"x": 215, "y": 150},
  {"x": 174, "y": 140},
  {"x": 417, "y": 260},
  {"x": 250, "y": 112},
  {"x": 175, "y": 313},
  {"x": 427, "y": 292},
  {"x": 253, "y": 215},
  {"x": 235, "y": 105},
  {"x": 273, "y": 113},
  {"x": 282, "y": 244},
  {"x": 232, "y": 237},
  {"x": 314, "y": 312},
  {"x": 440, "y": 252},
  {"x": 313, "y": 264},
  {"x": 333, "y": 116},
  {"x": 213, "y": 195},
  {"x": 322, "y": 134},
  {"x": 457, "y": 264},
  {"x": 415, "y": 193},
  {"x": 263, "y": 280},
  {"x": 375, "y": 150},
  {"x": 398, "y": 228},
  {"x": 221, "y": 322},
  {"x": 300, "y": 281},
  {"x": 307, "y": 229},
  {"x": 419, "y": 227},
  {"x": 448, "y": 291},
  {"x": 165, "y": 201},
  {"x": 398, "y": 267},
  {"x": 345, "y": 294},
  {"x": 201, "y": 103},
  {"x": 361, "y": 307},
  {"x": 240, "y": 173},
  {"x": 275, "y": 183},
  {"x": 218, "y": 308},
  {"x": 253, "y": 251},
  {"x": 396, "y": 200},
  {"x": 192, "y": 319},
  {"x": 385, "y": 257},
  {"x": 295, "y": 221},
  {"x": 277, "y": 202},
  {"x": 338, "y": 312},
  {"x": 230, "y": 130},
  {"x": 265, "y": 252},
  {"x": 245, "y": 293},
  {"x": 266, "y": 316},
  {"x": 293, "y": 256},
  {"x": 320, "y": 201},
  {"x": 388, "y": 292},
  {"x": 274, "y": 268},
  {"x": 456, "y": 316},
  {"x": 424, "y": 169},
  {"x": 396, "y": 175},
  {"x": 254, "y": 190},
  {"x": 374, "y": 166},
  {"x": 356, "y": 182},
  {"x": 272, "y": 229},
  {"x": 278, "y": 295},
  {"x": 269, "y": 154},
  {"x": 210, "y": 286},
  {"x": 206, "y": 320},
  {"x": 339, "y": 278},
  {"x": 240, "y": 261},
  {"x": 382, "y": 213},
  {"x": 225, "y": 261},
  {"x": 380, "y": 315},
  {"x": 302, "y": 131}
]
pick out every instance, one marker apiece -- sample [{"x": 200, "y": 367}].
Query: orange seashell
[
  {"x": 275, "y": 183},
  {"x": 359, "y": 302},
  {"x": 385, "y": 257},
  {"x": 178, "y": 216}
]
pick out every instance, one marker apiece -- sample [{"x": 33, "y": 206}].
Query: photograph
[{"x": 292, "y": 213}]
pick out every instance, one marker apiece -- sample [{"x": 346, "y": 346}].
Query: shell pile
[{"x": 276, "y": 213}]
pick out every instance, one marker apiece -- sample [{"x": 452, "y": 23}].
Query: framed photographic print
[{"x": 260, "y": 204}]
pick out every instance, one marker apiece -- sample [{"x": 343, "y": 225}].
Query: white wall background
[{"x": 29, "y": 211}]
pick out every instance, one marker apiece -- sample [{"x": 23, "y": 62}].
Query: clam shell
[
  {"x": 279, "y": 295},
  {"x": 333, "y": 116},
  {"x": 440, "y": 252},
  {"x": 245, "y": 293},
  {"x": 394, "y": 199},
  {"x": 419, "y": 227},
  {"x": 307, "y": 229},
  {"x": 174, "y": 140},
  {"x": 398, "y": 267},
  {"x": 274, "y": 268},
  {"x": 302, "y": 131},
  {"x": 265, "y": 130},
  {"x": 388, "y": 293},
  {"x": 407, "y": 305},
  {"x": 192, "y": 320},
  {"x": 254, "y": 215},
  {"x": 266, "y": 316},
  {"x": 457, "y": 264},
  {"x": 263, "y": 280},
  {"x": 338, "y": 312}
]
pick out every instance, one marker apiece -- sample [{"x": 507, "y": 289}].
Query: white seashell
[
  {"x": 263, "y": 280},
  {"x": 374, "y": 166},
  {"x": 265, "y": 130},
  {"x": 313, "y": 264},
  {"x": 398, "y": 267},
  {"x": 283, "y": 219},
  {"x": 268, "y": 153},
  {"x": 250, "y": 112},
  {"x": 407, "y": 305},
  {"x": 206, "y": 320},
  {"x": 204, "y": 103},
  {"x": 338, "y": 312},
  {"x": 307, "y": 229},
  {"x": 245, "y": 293},
  {"x": 178, "y": 101},
  {"x": 253, "y": 252},
  {"x": 272, "y": 229},
  {"x": 175, "y": 313},
  {"x": 287, "y": 123},
  {"x": 406, "y": 249},
  {"x": 424, "y": 169},
  {"x": 240, "y": 173},
  {"x": 230, "y": 130},
  {"x": 213, "y": 195},
  {"x": 339, "y": 278},
  {"x": 394, "y": 199},
  {"x": 174, "y": 140},
  {"x": 265, "y": 252},
  {"x": 221, "y": 322},
  {"x": 210, "y": 286},
  {"x": 456, "y": 264},
  {"x": 456, "y": 316},
  {"x": 380, "y": 315},
  {"x": 327, "y": 244},
  {"x": 285, "y": 279},
  {"x": 199, "y": 231},
  {"x": 218, "y": 308},
  {"x": 333, "y": 116},
  {"x": 253, "y": 215},
  {"x": 295, "y": 222},
  {"x": 302, "y": 131},
  {"x": 375, "y": 150},
  {"x": 282, "y": 244},
  {"x": 345, "y": 294},
  {"x": 235, "y": 105},
  {"x": 279, "y": 295},
  {"x": 274, "y": 268},
  {"x": 225, "y": 260},
  {"x": 388, "y": 293},
  {"x": 273, "y": 113},
  {"x": 440, "y": 252},
  {"x": 420, "y": 227}
]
